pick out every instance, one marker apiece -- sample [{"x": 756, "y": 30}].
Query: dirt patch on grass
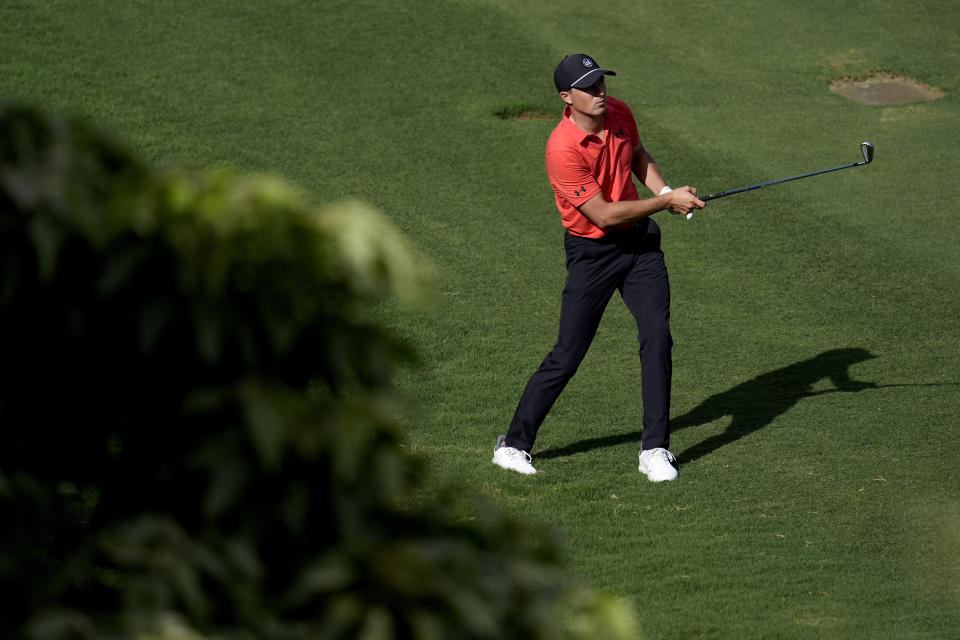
[
  {"x": 535, "y": 115},
  {"x": 523, "y": 112},
  {"x": 885, "y": 89}
]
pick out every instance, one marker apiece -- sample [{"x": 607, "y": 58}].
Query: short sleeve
[{"x": 570, "y": 176}]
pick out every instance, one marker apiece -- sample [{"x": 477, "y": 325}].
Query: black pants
[{"x": 631, "y": 262}]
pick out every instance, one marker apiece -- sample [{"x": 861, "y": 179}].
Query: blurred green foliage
[{"x": 196, "y": 433}]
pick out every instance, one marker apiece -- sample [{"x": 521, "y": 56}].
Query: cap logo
[{"x": 587, "y": 62}]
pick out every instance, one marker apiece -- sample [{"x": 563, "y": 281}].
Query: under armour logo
[
  {"x": 621, "y": 133},
  {"x": 579, "y": 192}
]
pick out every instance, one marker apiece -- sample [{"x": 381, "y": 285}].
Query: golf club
[{"x": 866, "y": 148}]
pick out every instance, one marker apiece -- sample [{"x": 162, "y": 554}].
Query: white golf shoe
[
  {"x": 511, "y": 458},
  {"x": 657, "y": 464}
]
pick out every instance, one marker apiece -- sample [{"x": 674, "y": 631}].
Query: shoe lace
[
  {"x": 520, "y": 453},
  {"x": 523, "y": 454},
  {"x": 662, "y": 455}
]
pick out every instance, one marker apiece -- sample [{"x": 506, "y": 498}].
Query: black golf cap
[{"x": 578, "y": 70}]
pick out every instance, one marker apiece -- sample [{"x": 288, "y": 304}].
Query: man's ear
[{"x": 565, "y": 96}]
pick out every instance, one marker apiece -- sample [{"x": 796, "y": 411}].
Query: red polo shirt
[{"x": 581, "y": 165}]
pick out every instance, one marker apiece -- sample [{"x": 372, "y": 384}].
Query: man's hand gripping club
[{"x": 686, "y": 201}]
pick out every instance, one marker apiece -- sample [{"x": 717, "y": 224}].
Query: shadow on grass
[{"x": 752, "y": 405}]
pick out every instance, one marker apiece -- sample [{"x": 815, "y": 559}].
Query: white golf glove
[{"x": 667, "y": 189}]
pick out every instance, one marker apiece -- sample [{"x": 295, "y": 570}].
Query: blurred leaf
[
  {"x": 48, "y": 238},
  {"x": 374, "y": 257}
]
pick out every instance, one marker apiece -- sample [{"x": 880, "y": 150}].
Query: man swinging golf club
[{"x": 611, "y": 244}]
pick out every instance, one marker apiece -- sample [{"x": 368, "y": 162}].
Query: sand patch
[{"x": 885, "y": 89}]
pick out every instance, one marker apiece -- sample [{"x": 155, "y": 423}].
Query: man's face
[{"x": 591, "y": 101}]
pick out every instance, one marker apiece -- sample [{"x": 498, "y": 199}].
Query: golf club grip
[{"x": 721, "y": 194}]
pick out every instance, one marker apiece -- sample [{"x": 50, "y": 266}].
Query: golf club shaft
[{"x": 714, "y": 196}]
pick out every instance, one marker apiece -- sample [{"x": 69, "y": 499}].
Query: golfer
[{"x": 611, "y": 244}]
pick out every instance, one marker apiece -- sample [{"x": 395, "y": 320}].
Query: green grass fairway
[{"x": 817, "y": 323}]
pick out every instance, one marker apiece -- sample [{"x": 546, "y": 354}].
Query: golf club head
[{"x": 866, "y": 148}]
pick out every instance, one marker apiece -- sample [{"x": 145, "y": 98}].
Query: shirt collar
[{"x": 572, "y": 130}]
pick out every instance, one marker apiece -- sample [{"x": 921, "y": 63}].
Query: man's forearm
[
  {"x": 648, "y": 172},
  {"x": 612, "y": 214}
]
